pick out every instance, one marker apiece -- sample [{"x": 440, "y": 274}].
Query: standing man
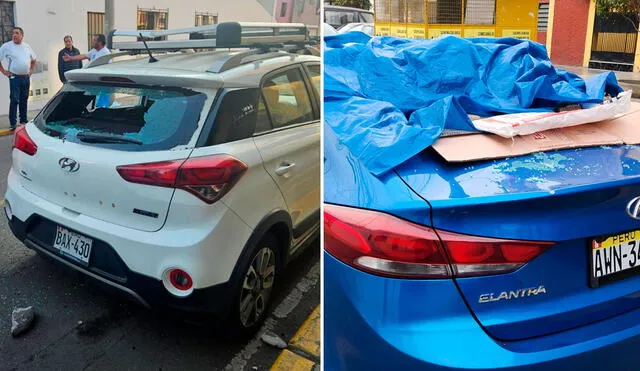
[
  {"x": 99, "y": 49},
  {"x": 63, "y": 66},
  {"x": 22, "y": 61}
]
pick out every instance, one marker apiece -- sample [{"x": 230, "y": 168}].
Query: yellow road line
[
  {"x": 290, "y": 361},
  {"x": 5, "y": 132},
  {"x": 308, "y": 336},
  {"x": 305, "y": 341}
]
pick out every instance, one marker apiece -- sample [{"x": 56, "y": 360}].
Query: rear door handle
[{"x": 285, "y": 167}]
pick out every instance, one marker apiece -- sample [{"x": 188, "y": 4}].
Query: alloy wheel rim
[{"x": 257, "y": 286}]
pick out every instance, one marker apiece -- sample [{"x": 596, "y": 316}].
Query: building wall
[
  {"x": 570, "y": 21},
  {"x": 46, "y": 22},
  {"x": 542, "y": 37}
]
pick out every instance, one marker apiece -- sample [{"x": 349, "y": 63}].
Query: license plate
[
  {"x": 72, "y": 244},
  {"x": 615, "y": 256}
]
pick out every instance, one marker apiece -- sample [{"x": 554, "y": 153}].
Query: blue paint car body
[{"x": 567, "y": 196}]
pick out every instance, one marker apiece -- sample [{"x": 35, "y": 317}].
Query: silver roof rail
[{"x": 223, "y": 35}]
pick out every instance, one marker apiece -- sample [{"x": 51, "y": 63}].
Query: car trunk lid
[{"x": 569, "y": 197}]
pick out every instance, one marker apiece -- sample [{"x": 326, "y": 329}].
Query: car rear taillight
[
  {"x": 209, "y": 178},
  {"x": 389, "y": 246},
  {"x": 22, "y": 141}
]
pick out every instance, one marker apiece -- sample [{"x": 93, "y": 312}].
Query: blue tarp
[{"x": 387, "y": 99}]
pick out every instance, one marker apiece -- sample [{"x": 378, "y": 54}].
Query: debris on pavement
[
  {"x": 273, "y": 340},
  {"x": 21, "y": 320}
]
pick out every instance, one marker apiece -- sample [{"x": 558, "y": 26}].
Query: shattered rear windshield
[{"x": 123, "y": 117}]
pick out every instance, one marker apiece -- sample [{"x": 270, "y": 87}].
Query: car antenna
[{"x": 152, "y": 59}]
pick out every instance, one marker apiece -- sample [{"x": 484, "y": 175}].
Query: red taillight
[
  {"x": 385, "y": 245},
  {"x": 22, "y": 142},
  {"x": 209, "y": 178}
]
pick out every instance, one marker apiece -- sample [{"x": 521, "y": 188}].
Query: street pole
[{"x": 109, "y": 14}]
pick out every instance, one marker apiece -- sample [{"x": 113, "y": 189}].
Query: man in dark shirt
[{"x": 70, "y": 50}]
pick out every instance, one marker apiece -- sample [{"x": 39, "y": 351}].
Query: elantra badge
[
  {"x": 509, "y": 295},
  {"x": 69, "y": 164},
  {"x": 633, "y": 208}
]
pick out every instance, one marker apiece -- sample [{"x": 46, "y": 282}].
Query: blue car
[{"x": 527, "y": 263}]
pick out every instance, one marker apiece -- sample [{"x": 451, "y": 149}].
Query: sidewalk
[{"x": 4, "y": 122}]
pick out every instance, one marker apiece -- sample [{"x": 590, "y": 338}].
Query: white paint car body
[{"x": 143, "y": 231}]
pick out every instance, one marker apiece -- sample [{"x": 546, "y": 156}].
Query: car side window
[
  {"x": 236, "y": 118},
  {"x": 314, "y": 75},
  {"x": 263, "y": 122},
  {"x": 286, "y": 98},
  {"x": 339, "y": 17}
]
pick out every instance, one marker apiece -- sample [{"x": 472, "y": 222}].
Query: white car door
[{"x": 290, "y": 148}]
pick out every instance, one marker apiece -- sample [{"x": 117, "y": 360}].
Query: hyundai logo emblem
[
  {"x": 69, "y": 164},
  {"x": 633, "y": 208}
]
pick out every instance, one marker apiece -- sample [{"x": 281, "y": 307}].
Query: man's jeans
[{"x": 18, "y": 97}]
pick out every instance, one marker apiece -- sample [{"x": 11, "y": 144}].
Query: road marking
[
  {"x": 306, "y": 345},
  {"x": 288, "y": 304},
  {"x": 293, "y": 299},
  {"x": 289, "y": 361},
  {"x": 308, "y": 336},
  {"x": 5, "y": 132}
]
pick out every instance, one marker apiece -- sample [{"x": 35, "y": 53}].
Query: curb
[{"x": 303, "y": 351}]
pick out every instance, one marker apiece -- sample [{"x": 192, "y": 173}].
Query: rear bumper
[
  {"x": 146, "y": 291},
  {"x": 378, "y": 323},
  {"x": 133, "y": 261}
]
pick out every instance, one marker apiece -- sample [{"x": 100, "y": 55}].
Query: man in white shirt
[
  {"x": 99, "y": 49},
  {"x": 22, "y": 61}
]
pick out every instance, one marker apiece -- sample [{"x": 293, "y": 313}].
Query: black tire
[{"x": 241, "y": 323}]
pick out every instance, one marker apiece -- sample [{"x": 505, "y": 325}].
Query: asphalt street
[{"x": 80, "y": 326}]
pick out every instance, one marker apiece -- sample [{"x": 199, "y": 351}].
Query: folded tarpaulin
[{"x": 387, "y": 98}]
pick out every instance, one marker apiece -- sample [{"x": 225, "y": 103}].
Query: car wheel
[{"x": 255, "y": 287}]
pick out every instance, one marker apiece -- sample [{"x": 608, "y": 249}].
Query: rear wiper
[{"x": 105, "y": 138}]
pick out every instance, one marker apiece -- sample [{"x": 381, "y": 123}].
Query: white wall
[{"x": 46, "y": 22}]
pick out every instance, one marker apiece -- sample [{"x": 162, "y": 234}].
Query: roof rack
[{"x": 223, "y": 35}]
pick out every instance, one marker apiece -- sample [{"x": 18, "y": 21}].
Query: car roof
[
  {"x": 338, "y": 7},
  {"x": 191, "y": 69}
]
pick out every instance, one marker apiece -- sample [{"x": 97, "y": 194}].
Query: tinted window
[
  {"x": 339, "y": 17},
  {"x": 155, "y": 119},
  {"x": 366, "y": 17},
  {"x": 263, "y": 122},
  {"x": 314, "y": 75},
  {"x": 236, "y": 117},
  {"x": 286, "y": 98}
]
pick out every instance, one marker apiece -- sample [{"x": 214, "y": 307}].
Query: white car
[
  {"x": 366, "y": 28},
  {"x": 189, "y": 182}
]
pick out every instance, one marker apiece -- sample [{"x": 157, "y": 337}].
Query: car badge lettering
[
  {"x": 633, "y": 208},
  {"x": 512, "y": 294},
  {"x": 69, "y": 165}
]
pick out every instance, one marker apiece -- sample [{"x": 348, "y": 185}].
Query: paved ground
[{"x": 116, "y": 334}]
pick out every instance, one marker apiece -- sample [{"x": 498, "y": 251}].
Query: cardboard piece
[{"x": 474, "y": 147}]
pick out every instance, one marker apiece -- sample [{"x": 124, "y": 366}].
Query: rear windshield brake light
[
  {"x": 208, "y": 178},
  {"x": 389, "y": 246}
]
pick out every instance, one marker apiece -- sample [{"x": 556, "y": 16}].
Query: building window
[
  {"x": 153, "y": 19},
  {"x": 7, "y": 20},
  {"x": 95, "y": 26},
  {"x": 543, "y": 17},
  {"x": 205, "y": 19},
  {"x": 461, "y": 12},
  {"x": 283, "y": 10}
]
